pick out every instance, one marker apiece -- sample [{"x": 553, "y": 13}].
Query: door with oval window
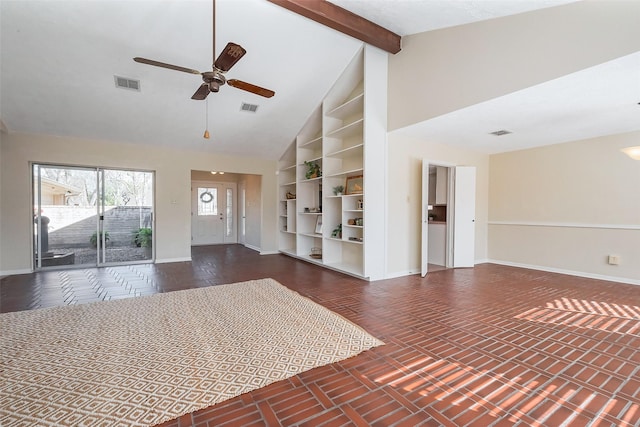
[{"x": 212, "y": 213}]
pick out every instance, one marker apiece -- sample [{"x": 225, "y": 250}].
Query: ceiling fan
[{"x": 215, "y": 78}]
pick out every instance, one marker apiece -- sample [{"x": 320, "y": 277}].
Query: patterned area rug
[{"x": 146, "y": 360}]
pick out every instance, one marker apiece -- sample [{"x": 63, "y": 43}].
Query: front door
[{"x": 212, "y": 214}]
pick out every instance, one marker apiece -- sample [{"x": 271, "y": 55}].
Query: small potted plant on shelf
[
  {"x": 337, "y": 190},
  {"x": 313, "y": 169}
]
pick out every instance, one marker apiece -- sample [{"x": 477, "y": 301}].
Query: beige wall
[
  {"x": 253, "y": 185},
  {"x": 566, "y": 207},
  {"x": 404, "y": 159},
  {"x": 444, "y": 70},
  {"x": 173, "y": 179}
]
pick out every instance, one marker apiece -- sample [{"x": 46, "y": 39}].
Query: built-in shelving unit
[{"x": 346, "y": 138}]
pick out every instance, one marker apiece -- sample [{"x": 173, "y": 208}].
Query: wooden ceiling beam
[{"x": 344, "y": 21}]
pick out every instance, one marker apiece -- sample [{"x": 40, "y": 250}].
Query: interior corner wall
[
  {"x": 566, "y": 207},
  {"x": 173, "y": 181},
  {"x": 253, "y": 214},
  {"x": 404, "y": 182},
  {"x": 467, "y": 64}
]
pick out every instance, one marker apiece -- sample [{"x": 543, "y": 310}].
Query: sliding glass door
[{"x": 91, "y": 216}]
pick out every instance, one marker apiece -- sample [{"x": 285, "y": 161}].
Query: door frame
[
  {"x": 424, "y": 219},
  {"x": 36, "y": 261},
  {"x": 454, "y": 213}
]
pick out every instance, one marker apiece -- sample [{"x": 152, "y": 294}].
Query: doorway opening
[
  {"x": 448, "y": 216},
  {"x": 89, "y": 216}
]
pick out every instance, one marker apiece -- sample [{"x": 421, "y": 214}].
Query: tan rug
[{"x": 146, "y": 360}]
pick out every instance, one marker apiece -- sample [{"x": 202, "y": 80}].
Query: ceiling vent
[
  {"x": 249, "y": 108},
  {"x": 125, "y": 83},
  {"x": 500, "y": 132}
]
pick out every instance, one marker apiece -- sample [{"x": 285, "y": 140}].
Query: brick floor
[{"x": 492, "y": 345}]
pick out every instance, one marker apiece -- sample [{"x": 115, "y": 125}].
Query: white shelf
[
  {"x": 348, "y": 130},
  {"x": 316, "y": 159},
  {"x": 309, "y": 259},
  {"x": 314, "y": 143},
  {"x": 347, "y": 152},
  {"x": 288, "y": 183},
  {"x": 302, "y": 181},
  {"x": 352, "y": 106},
  {"x": 314, "y": 235},
  {"x": 355, "y": 242},
  {"x": 353, "y": 172},
  {"x": 286, "y": 168},
  {"x": 334, "y": 136},
  {"x": 355, "y": 270},
  {"x": 288, "y": 232}
]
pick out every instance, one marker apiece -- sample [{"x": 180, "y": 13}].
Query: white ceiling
[
  {"x": 405, "y": 17},
  {"x": 598, "y": 101},
  {"x": 58, "y": 59}
]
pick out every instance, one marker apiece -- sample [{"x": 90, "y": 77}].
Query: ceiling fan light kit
[{"x": 215, "y": 78}]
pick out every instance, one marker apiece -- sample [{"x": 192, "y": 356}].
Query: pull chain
[{"x": 206, "y": 131}]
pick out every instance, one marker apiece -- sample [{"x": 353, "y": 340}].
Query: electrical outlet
[{"x": 614, "y": 260}]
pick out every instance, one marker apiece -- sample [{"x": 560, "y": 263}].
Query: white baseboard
[
  {"x": 255, "y": 248},
  {"x": 397, "y": 274},
  {"x": 4, "y": 273},
  {"x": 269, "y": 252},
  {"x": 168, "y": 260},
  {"x": 569, "y": 272}
]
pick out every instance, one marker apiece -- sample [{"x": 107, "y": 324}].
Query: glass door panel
[
  {"x": 65, "y": 226},
  {"x": 126, "y": 213}
]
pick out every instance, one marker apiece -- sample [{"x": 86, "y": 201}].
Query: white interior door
[
  {"x": 464, "y": 216},
  {"x": 424, "y": 261}
]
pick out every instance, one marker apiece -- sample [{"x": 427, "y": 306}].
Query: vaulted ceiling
[{"x": 59, "y": 59}]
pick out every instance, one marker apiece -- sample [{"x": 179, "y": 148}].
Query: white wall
[
  {"x": 566, "y": 207},
  {"x": 404, "y": 162},
  {"x": 173, "y": 180},
  {"x": 445, "y": 70}
]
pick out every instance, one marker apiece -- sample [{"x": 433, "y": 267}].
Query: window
[
  {"x": 207, "y": 201},
  {"x": 229, "y": 228}
]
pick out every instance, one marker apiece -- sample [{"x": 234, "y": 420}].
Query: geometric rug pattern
[{"x": 145, "y": 360}]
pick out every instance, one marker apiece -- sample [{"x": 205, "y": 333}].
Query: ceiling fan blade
[
  {"x": 229, "y": 56},
  {"x": 165, "y": 65},
  {"x": 202, "y": 92},
  {"x": 239, "y": 84}
]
